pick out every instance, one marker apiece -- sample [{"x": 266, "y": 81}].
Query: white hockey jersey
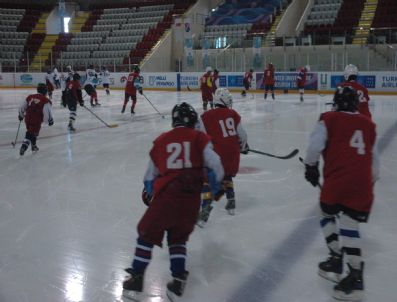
[
  {"x": 91, "y": 77},
  {"x": 105, "y": 76}
]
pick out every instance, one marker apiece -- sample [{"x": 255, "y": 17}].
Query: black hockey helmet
[
  {"x": 91, "y": 66},
  {"x": 136, "y": 69},
  {"x": 216, "y": 71},
  {"x": 76, "y": 77},
  {"x": 184, "y": 115},
  {"x": 42, "y": 88},
  {"x": 346, "y": 99}
]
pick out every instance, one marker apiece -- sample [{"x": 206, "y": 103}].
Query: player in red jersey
[
  {"x": 223, "y": 124},
  {"x": 73, "y": 96},
  {"x": 134, "y": 83},
  {"x": 173, "y": 183},
  {"x": 206, "y": 87},
  {"x": 268, "y": 80},
  {"x": 350, "y": 73},
  {"x": 35, "y": 109},
  {"x": 248, "y": 76},
  {"x": 301, "y": 80},
  {"x": 346, "y": 140},
  {"x": 215, "y": 81},
  {"x": 48, "y": 81}
]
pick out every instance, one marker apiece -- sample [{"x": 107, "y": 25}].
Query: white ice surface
[{"x": 68, "y": 214}]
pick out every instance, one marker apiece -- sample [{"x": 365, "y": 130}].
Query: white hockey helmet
[
  {"x": 223, "y": 97},
  {"x": 307, "y": 67},
  {"x": 350, "y": 70},
  {"x": 208, "y": 69},
  {"x": 68, "y": 68}
]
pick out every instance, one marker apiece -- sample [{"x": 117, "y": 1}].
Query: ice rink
[{"x": 68, "y": 213}]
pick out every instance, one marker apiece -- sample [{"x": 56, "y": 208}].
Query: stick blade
[{"x": 113, "y": 125}]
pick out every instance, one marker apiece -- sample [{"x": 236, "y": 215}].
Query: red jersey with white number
[
  {"x": 362, "y": 96},
  {"x": 301, "y": 78},
  {"x": 221, "y": 124},
  {"x": 130, "y": 86},
  {"x": 248, "y": 77},
  {"x": 268, "y": 76},
  {"x": 34, "y": 108},
  {"x": 73, "y": 91},
  {"x": 348, "y": 160},
  {"x": 176, "y": 151}
]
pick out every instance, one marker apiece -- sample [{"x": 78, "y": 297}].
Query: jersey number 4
[
  {"x": 179, "y": 155},
  {"x": 357, "y": 141},
  {"x": 227, "y": 126}
]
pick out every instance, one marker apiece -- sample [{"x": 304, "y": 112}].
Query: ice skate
[
  {"x": 133, "y": 286},
  {"x": 204, "y": 215},
  {"x": 350, "y": 288},
  {"x": 132, "y": 111},
  {"x": 71, "y": 128},
  {"x": 176, "y": 287},
  {"x": 332, "y": 268},
  {"x": 35, "y": 148},
  {"x": 301, "y": 99},
  {"x": 23, "y": 149},
  {"x": 231, "y": 206},
  {"x": 97, "y": 104},
  {"x": 123, "y": 109}
]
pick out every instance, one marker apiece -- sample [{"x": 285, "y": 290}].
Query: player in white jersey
[
  {"x": 105, "y": 77},
  {"x": 56, "y": 77},
  {"x": 90, "y": 84}
]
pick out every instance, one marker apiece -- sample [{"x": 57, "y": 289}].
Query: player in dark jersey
[{"x": 73, "y": 96}]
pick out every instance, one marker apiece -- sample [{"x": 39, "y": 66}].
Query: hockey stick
[
  {"x": 107, "y": 125},
  {"x": 291, "y": 155},
  {"x": 16, "y": 136},
  {"x": 153, "y": 106}
]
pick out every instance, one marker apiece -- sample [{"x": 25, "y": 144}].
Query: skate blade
[
  {"x": 132, "y": 295},
  {"x": 230, "y": 212},
  {"x": 355, "y": 295},
  {"x": 172, "y": 297},
  {"x": 333, "y": 277},
  {"x": 201, "y": 224}
]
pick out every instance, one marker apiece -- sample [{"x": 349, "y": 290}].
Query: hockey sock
[
  {"x": 206, "y": 195},
  {"x": 33, "y": 140},
  {"x": 177, "y": 258},
  {"x": 273, "y": 95},
  {"x": 229, "y": 186},
  {"x": 143, "y": 255},
  {"x": 350, "y": 237},
  {"x": 265, "y": 96},
  {"x": 28, "y": 139},
  {"x": 330, "y": 231},
  {"x": 72, "y": 116}
]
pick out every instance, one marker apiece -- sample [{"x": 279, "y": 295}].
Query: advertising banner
[{"x": 368, "y": 81}]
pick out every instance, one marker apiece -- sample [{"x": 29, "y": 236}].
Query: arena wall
[{"x": 324, "y": 82}]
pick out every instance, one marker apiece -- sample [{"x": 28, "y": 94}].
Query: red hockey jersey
[
  {"x": 221, "y": 125},
  {"x": 362, "y": 95},
  {"x": 268, "y": 77},
  {"x": 130, "y": 86},
  {"x": 301, "y": 78}
]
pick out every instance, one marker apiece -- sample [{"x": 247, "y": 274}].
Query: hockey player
[
  {"x": 56, "y": 78},
  {"x": 73, "y": 95},
  {"x": 105, "y": 74},
  {"x": 346, "y": 140},
  {"x": 268, "y": 79},
  {"x": 206, "y": 87},
  {"x": 134, "y": 83},
  {"x": 49, "y": 82},
  {"x": 301, "y": 80},
  {"x": 215, "y": 81},
  {"x": 172, "y": 185},
  {"x": 65, "y": 80},
  {"x": 350, "y": 74},
  {"x": 90, "y": 84},
  {"x": 36, "y": 109},
  {"x": 223, "y": 125},
  {"x": 248, "y": 76}
]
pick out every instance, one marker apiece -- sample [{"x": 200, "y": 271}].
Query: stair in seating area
[
  {"x": 78, "y": 22},
  {"x": 271, "y": 35},
  {"x": 43, "y": 53},
  {"x": 364, "y": 25},
  {"x": 40, "y": 27}
]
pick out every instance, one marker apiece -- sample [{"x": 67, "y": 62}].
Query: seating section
[
  {"x": 385, "y": 16},
  {"x": 325, "y": 23},
  {"x": 18, "y": 45}
]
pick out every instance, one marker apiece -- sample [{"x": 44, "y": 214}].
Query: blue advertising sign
[{"x": 235, "y": 81}]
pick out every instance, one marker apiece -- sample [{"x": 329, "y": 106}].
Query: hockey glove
[
  {"x": 140, "y": 90},
  {"x": 244, "y": 149},
  {"x": 146, "y": 197},
  {"x": 312, "y": 174},
  {"x": 81, "y": 103},
  {"x": 20, "y": 118},
  {"x": 50, "y": 122}
]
